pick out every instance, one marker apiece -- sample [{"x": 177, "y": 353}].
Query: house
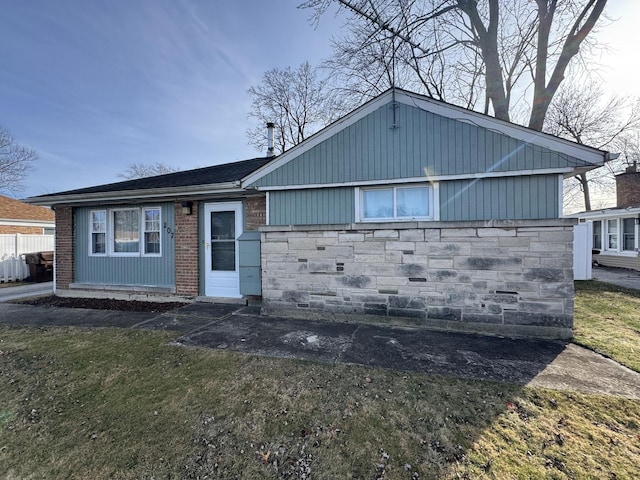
[
  {"x": 407, "y": 210},
  {"x": 616, "y": 231},
  {"x": 23, "y": 218}
]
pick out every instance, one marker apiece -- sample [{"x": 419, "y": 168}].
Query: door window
[{"x": 223, "y": 241}]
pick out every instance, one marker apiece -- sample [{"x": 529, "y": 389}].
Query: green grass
[
  {"x": 607, "y": 320},
  {"x": 78, "y": 403}
]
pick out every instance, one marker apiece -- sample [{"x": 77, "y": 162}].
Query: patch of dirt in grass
[{"x": 102, "y": 304}]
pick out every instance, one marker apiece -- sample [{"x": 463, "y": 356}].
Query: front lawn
[
  {"x": 607, "y": 320},
  {"x": 108, "y": 403}
]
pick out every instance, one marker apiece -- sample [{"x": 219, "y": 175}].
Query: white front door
[{"x": 222, "y": 227}]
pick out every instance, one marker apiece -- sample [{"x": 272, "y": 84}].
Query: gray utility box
[{"x": 249, "y": 259}]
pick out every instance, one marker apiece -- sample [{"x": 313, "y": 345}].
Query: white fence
[{"x": 13, "y": 267}]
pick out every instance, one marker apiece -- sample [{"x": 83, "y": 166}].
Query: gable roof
[
  {"x": 587, "y": 157},
  {"x": 12, "y": 209},
  {"x": 218, "y": 178}
]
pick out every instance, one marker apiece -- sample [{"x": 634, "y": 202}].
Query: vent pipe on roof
[{"x": 270, "y": 148}]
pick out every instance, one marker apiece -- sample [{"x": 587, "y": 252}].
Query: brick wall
[
  {"x": 255, "y": 212},
  {"x": 512, "y": 277},
  {"x": 12, "y": 229},
  {"x": 64, "y": 247},
  {"x": 186, "y": 254},
  {"x": 628, "y": 189}
]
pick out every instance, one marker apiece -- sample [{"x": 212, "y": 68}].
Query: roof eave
[{"x": 136, "y": 195}]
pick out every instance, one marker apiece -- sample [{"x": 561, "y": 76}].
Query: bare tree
[
  {"x": 475, "y": 53},
  {"x": 296, "y": 101},
  {"x": 16, "y": 162},
  {"x": 582, "y": 113},
  {"x": 141, "y": 170}
]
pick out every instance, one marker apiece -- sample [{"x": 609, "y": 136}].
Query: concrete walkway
[
  {"x": 544, "y": 363},
  {"x": 27, "y": 290}
]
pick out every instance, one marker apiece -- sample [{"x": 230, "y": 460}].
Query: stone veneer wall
[{"x": 511, "y": 277}]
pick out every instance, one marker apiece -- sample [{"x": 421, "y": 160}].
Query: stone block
[
  {"x": 411, "y": 235},
  {"x": 400, "y": 301},
  {"x": 496, "y": 232},
  {"x": 356, "y": 281},
  {"x": 556, "y": 290},
  {"x": 338, "y": 251},
  {"x": 432, "y": 235},
  {"x": 302, "y": 243},
  {"x": 295, "y": 296},
  {"x": 458, "y": 233},
  {"x": 350, "y": 237},
  {"x": 444, "y": 313},
  {"x": 544, "y": 275},
  {"x": 488, "y": 263},
  {"x": 321, "y": 266},
  {"x": 368, "y": 247},
  {"x": 481, "y": 318},
  {"x": 548, "y": 247},
  {"x": 274, "y": 247},
  {"x": 386, "y": 282},
  {"x": 393, "y": 245},
  {"x": 394, "y": 256},
  {"x": 541, "y": 307},
  {"x": 538, "y": 319},
  {"x": 440, "y": 262},
  {"x": 383, "y": 234},
  {"x": 406, "y": 312},
  {"x": 367, "y": 258},
  {"x": 442, "y": 275},
  {"x": 565, "y": 236},
  {"x": 411, "y": 270}
]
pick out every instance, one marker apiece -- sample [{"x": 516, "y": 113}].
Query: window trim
[
  {"x": 91, "y": 232},
  {"x": 610, "y": 233},
  {"x": 432, "y": 192},
  {"x": 110, "y": 232},
  {"x": 634, "y": 247},
  {"x": 143, "y": 225}
]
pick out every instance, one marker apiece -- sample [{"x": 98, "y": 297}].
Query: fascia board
[
  {"x": 606, "y": 213},
  {"x": 145, "y": 194}
]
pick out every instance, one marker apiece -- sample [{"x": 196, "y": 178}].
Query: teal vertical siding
[
  {"x": 249, "y": 263},
  {"x": 419, "y": 145},
  {"x": 507, "y": 198},
  {"x": 143, "y": 271},
  {"x": 312, "y": 207}
]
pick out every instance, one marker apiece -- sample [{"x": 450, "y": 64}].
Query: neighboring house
[
  {"x": 20, "y": 217},
  {"x": 616, "y": 231},
  {"x": 406, "y": 209}
]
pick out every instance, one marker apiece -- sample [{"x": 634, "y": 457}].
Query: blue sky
[{"x": 94, "y": 86}]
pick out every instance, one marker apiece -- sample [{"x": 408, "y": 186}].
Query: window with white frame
[
  {"x": 403, "y": 202},
  {"x": 612, "y": 234},
  {"x": 98, "y": 232},
  {"x": 151, "y": 231},
  {"x": 597, "y": 234},
  {"x": 125, "y": 232},
  {"x": 629, "y": 234}
]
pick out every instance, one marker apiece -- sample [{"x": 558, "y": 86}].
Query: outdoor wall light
[{"x": 186, "y": 207}]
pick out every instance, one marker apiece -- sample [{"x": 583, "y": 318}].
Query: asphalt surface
[
  {"x": 545, "y": 363},
  {"x": 618, "y": 276}
]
